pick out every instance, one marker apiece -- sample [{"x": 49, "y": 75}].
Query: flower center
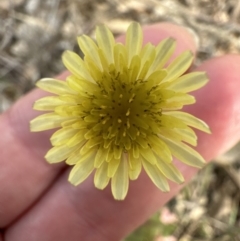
[{"x": 123, "y": 112}]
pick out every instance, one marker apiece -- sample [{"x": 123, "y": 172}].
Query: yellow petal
[
  {"x": 134, "y": 38},
  {"x": 103, "y": 58},
  {"x": 187, "y": 135},
  {"x": 100, "y": 157},
  {"x": 183, "y": 99},
  {"x": 132, "y": 161},
  {"x": 156, "y": 176},
  {"x": 135, "y": 166},
  {"x": 59, "y": 153},
  {"x": 76, "y": 157},
  {"x": 77, "y": 138},
  {"x": 105, "y": 42},
  {"x": 170, "y": 133},
  {"x": 135, "y": 151},
  {"x": 112, "y": 167},
  {"x": 76, "y": 65},
  {"x": 185, "y": 153},
  {"x": 81, "y": 171},
  {"x": 170, "y": 121},
  {"x": 54, "y": 86},
  {"x": 156, "y": 77},
  {"x": 92, "y": 68},
  {"x": 120, "y": 181},
  {"x": 170, "y": 171},
  {"x": 148, "y": 155},
  {"x": 101, "y": 179},
  {"x": 134, "y": 174},
  {"x": 69, "y": 110},
  {"x": 71, "y": 99},
  {"x": 47, "y": 103},
  {"x": 73, "y": 83},
  {"x": 162, "y": 151},
  {"x": 81, "y": 85},
  {"x": 147, "y": 55},
  {"x": 190, "y": 120},
  {"x": 62, "y": 136},
  {"x": 47, "y": 121},
  {"x": 179, "y": 66},
  {"x": 142, "y": 142},
  {"x": 134, "y": 68},
  {"x": 110, "y": 154},
  {"x": 69, "y": 123},
  {"x": 164, "y": 50},
  {"x": 94, "y": 141},
  {"x": 90, "y": 49},
  {"x": 120, "y": 57},
  {"x": 117, "y": 151},
  {"x": 189, "y": 82},
  {"x": 144, "y": 70}
]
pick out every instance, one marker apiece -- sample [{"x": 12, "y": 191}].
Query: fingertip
[{"x": 185, "y": 39}]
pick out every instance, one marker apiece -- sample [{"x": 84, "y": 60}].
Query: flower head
[{"x": 118, "y": 111}]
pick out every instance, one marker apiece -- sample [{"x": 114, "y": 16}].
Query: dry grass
[{"x": 34, "y": 33}]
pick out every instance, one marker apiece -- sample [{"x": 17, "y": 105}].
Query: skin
[{"x": 37, "y": 202}]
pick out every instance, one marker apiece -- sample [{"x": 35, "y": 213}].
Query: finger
[
  {"x": 90, "y": 214},
  {"x": 224, "y": 115},
  {"x": 24, "y": 173}
]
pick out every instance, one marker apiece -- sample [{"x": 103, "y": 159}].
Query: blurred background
[{"x": 33, "y": 35}]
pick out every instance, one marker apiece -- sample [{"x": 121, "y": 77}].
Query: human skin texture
[{"x": 37, "y": 202}]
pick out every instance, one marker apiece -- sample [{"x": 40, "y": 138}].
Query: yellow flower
[{"x": 118, "y": 111}]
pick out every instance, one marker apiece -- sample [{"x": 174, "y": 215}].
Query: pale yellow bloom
[{"x": 118, "y": 111}]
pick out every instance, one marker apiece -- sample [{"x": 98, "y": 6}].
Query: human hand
[{"x": 38, "y": 203}]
